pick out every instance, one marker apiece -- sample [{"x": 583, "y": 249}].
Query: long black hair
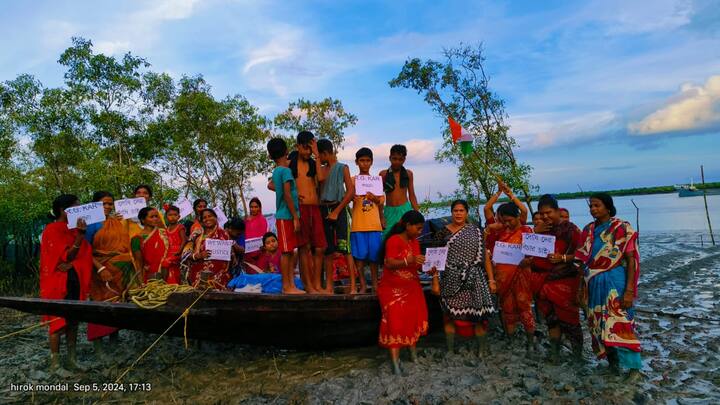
[
  {"x": 409, "y": 218},
  {"x": 61, "y": 203},
  {"x": 607, "y": 201}
]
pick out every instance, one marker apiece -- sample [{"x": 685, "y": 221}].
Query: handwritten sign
[
  {"x": 271, "y": 223},
  {"x": 221, "y": 218},
  {"x": 435, "y": 257},
  {"x": 92, "y": 213},
  {"x": 253, "y": 245},
  {"x": 130, "y": 207},
  {"x": 185, "y": 206},
  {"x": 538, "y": 245},
  {"x": 507, "y": 253},
  {"x": 368, "y": 184},
  {"x": 219, "y": 249}
]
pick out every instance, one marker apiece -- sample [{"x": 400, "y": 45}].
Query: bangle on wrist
[
  {"x": 76, "y": 246},
  {"x": 405, "y": 260},
  {"x": 101, "y": 269}
]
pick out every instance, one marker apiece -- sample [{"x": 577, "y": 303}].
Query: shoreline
[{"x": 585, "y": 194}]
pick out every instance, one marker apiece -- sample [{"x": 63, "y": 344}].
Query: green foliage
[
  {"x": 458, "y": 87},
  {"x": 326, "y": 119}
]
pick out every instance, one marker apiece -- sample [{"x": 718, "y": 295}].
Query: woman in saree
[
  {"x": 466, "y": 283},
  {"x": 113, "y": 265},
  {"x": 65, "y": 267},
  {"x": 256, "y": 225},
  {"x": 150, "y": 247},
  {"x": 402, "y": 301},
  {"x": 197, "y": 256},
  {"x": 611, "y": 261},
  {"x": 141, "y": 191},
  {"x": 513, "y": 281}
]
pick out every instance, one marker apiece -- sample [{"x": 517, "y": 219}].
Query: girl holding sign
[
  {"x": 404, "y": 311},
  {"x": 65, "y": 267},
  {"x": 609, "y": 254},
  {"x": 466, "y": 283},
  {"x": 513, "y": 281},
  {"x": 199, "y": 256},
  {"x": 150, "y": 246}
]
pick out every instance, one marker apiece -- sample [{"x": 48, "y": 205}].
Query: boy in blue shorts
[{"x": 366, "y": 228}]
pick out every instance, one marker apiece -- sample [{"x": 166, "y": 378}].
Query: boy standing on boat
[
  {"x": 366, "y": 229},
  {"x": 399, "y": 188},
  {"x": 335, "y": 194},
  {"x": 287, "y": 213},
  {"x": 311, "y": 238}
]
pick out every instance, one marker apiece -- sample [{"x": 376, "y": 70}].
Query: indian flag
[{"x": 460, "y": 134}]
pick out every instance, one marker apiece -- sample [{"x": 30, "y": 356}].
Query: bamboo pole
[
  {"x": 707, "y": 213},
  {"x": 637, "y": 218}
]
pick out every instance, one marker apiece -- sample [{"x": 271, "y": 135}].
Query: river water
[{"x": 658, "y": 212}]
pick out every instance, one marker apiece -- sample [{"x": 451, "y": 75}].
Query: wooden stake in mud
[
  {"x": 637, "y": 215},
  {"x": 707, "y": 213}
]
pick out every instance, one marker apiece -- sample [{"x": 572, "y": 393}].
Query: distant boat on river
[{"x": 689, "y": 190}]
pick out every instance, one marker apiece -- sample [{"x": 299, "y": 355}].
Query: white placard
[
  {"x": 130, "y": 207},
  {"x": 271, "y": 223},
  {"x": 435, "y": 257},
  {"x": 507, "y": 253},
  {"x": 219, "y": 249},
  {"x": 368, "y": 184},
  {"x": 221, "y": 218},
  {"x": 538, "y": 245},
  {"x": 253, "y": 244},
  {"x": 92, "y": 213},
  {"x": 185, "y": 207}
]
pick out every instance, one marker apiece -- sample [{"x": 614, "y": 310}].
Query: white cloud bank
[{"x": 695, "y": 107}]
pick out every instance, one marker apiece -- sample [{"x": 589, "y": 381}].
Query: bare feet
[{"x": 293, "y": 291}]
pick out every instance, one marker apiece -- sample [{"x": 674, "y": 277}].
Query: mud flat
[{"x": 678, "y": 320}]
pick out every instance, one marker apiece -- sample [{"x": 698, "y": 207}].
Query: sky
[{"x": 600, "y": 94}]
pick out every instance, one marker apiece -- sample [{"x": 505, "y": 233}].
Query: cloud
[
  {"x": 543, "y": 130},
  {"x": 695, "y": 108},
  {"x": 420, "y": 151},
  {"x": 112, "y": 47}
]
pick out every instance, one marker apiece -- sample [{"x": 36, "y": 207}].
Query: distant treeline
[{"x": 588, "y": 193}]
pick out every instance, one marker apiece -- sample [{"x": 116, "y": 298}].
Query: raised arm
[
  {"x": 488, "y": 209},
  {"x": 523, "y": 208},
  {"x": 322, "y": 171}
]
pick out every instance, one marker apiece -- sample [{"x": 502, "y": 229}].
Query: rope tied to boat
[
  {"x": 155, "y": 293},
  {"x": 29, "y": 328},
  {"x": 184, "y": 314}
]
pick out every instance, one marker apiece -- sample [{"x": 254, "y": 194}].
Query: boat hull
[
  {"x": 258, "y": 319},
  {"x": 698, "y": 193}
]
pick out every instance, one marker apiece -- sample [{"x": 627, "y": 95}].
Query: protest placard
[
  {"x": 92, "y": 213},
  {"x": 221, "y": 218},
  {"x": 271, "y": 223},
  {"x": 368, "y": 184},
  {"x": 507, "y": 253},
  {"x": 130, "y": 207},
  {"x": 435, "y": 257},
  {"x": 185, "y": 207},
  {"x": 538, "y": 245},
  {"x": 253, "y": 245},
  {"x": 219, "y": 249}
]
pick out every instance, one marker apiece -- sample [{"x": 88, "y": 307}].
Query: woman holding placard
[
  {"x": 113, "y": 260},
  {"x": 198, "y": 256},
  {"x": 150, "y": 246},
  {"x": 610, "y": 257},
  {"x": 65, "y": 267},
  {"x": 513, "y": 281},
  {"x": 404, "y": 311},
  {"x": 466, "y": 283}
]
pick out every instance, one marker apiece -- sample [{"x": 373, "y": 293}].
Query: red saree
[
  {"x": 154, "y": 248},
  {"x": 56, "y": 240},
  {"x": 219, "y": 268},
  {"x": 513, "y": 287},
  {"x": 404, "y": 311}
]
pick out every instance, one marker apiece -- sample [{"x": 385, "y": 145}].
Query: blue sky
[{"x": 605, "y": 94}]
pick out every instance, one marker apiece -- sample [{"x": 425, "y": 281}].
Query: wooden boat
[{"x": 307, "y": 321}]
